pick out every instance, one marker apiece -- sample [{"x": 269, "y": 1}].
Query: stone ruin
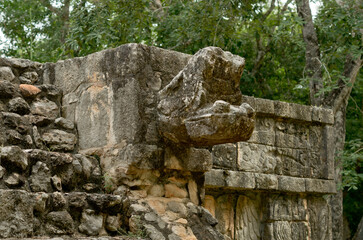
[{"x": 157, "y": 144}]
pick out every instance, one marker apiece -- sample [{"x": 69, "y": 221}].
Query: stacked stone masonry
[{"x": 159, "y": 145}]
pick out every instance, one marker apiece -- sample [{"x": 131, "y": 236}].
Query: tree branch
[{"x": 339, "y": 96}]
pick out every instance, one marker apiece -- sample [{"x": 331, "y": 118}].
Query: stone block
[
  {"x": 264, "y": 107},
  {"x": 214, "y": 179},
  {"x": 266, "y": 181},
  {"x": 291, "y": 184},
  {"x": 256, "y": 158},
  {"x": 322, "y": 115},
  {"x": 320, "y": 186},
  {"x": 225, "y": 156},
  {"x": 328, "y": 149},
  {"x": 300, "y": 112},
  {"x": 282, "y": 109},
  {"x": 239, "y": 180}
]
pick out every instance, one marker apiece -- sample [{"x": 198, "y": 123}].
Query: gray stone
[
  {"x": 64, "y": 123},
  {"x": 40, "y": 178},
  {"x": 91, "y": 224},
  {"x": 40, "y": 202},
  {"x": 28, "y": 77},
  {"x": 45, "y": 108},
  {"x": 16, "y": 214},
  {"x": 59, "y": 140},
  {"x": 291, "y": 184},
  {"x": 13, "y": 180},
  {"x": 189, "y": 159},
  {"x": 320, "y": 186},
  {"x": 18, "y": 105},
  {"x": 153, "y": 233},
  {"x": 225, "y": 156},
  {"x": 177, "y": 207},
  {"x": 6, "y": 74},
  {"x": 266, "y": 181},
  {"x": 191, "y": 113},
  {"x": 59, "y": 223},
  {"x": 58, "y": 201},
  {"x": 37, "y": 138},
  {"x": 8, "y": 90},
  {"x": 151, "y": 217},
  {"x": 15, "y": 156}
]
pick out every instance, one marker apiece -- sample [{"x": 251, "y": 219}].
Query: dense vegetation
[{"x": 273, "y": 36}]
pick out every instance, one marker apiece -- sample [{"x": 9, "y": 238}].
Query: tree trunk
[
  {"x": 312, "y": 52},
  {"x": 336, "y": 100}
]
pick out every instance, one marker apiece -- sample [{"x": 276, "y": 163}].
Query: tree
[{"x": 337, "y": 98}]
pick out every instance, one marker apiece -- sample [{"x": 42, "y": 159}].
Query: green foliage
[{"x": 352, "y": 160}]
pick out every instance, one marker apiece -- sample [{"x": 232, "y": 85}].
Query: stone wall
[
  {"x": 90, "y": 148},
  {"x": 277, "y": 182}
]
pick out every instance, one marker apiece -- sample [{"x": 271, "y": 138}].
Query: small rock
[
  {"x": 58, "y": 201},
  {"x": 6, "y": 74},
  {"x": 28, "y": 139},
  {"x": 8, "y": 90},
  {"x": 13, "y": 180},
  {"x": 40, "y": 178},
  {"x": 151, "y": 217},
  {"x": 18, "y": 105},
  {"x": 77, "y": 166},
  {"x": 56, "y": 182},
  {"x": 45, "y": 108},
  {"x": 37, "y": 138},
  {"x": 137, "y": 208},
  {"x": 172, "y": 190},
  {"x": 64, "y": 123},
  {"x": 177, "y": 207},
  {"x": 2, "y": 172},
  {"x": 28, "y": 77},
  {"x": 59, "y": 223},
  {"x": 153, "y": 233},
  {"x": 14, "y": 137},
  {"x": 91, "y": 224},
  {"x": 112, "y": 223},
  {"x": 41, "y": 202},
  {"x": 14, "y": 155},
  {"x": 28, "y": 90},
  {"x": 156, "y": 190},
  {"x": 59, "y": 140},
  {"x": 51, "y": 90}
]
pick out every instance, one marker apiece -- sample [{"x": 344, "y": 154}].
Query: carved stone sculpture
[{"x": 202, "y": 106}]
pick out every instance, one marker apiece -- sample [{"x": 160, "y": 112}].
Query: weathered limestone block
[
  {"x": 195, "y": 107},
  {"x": 29, "y": 91}
]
